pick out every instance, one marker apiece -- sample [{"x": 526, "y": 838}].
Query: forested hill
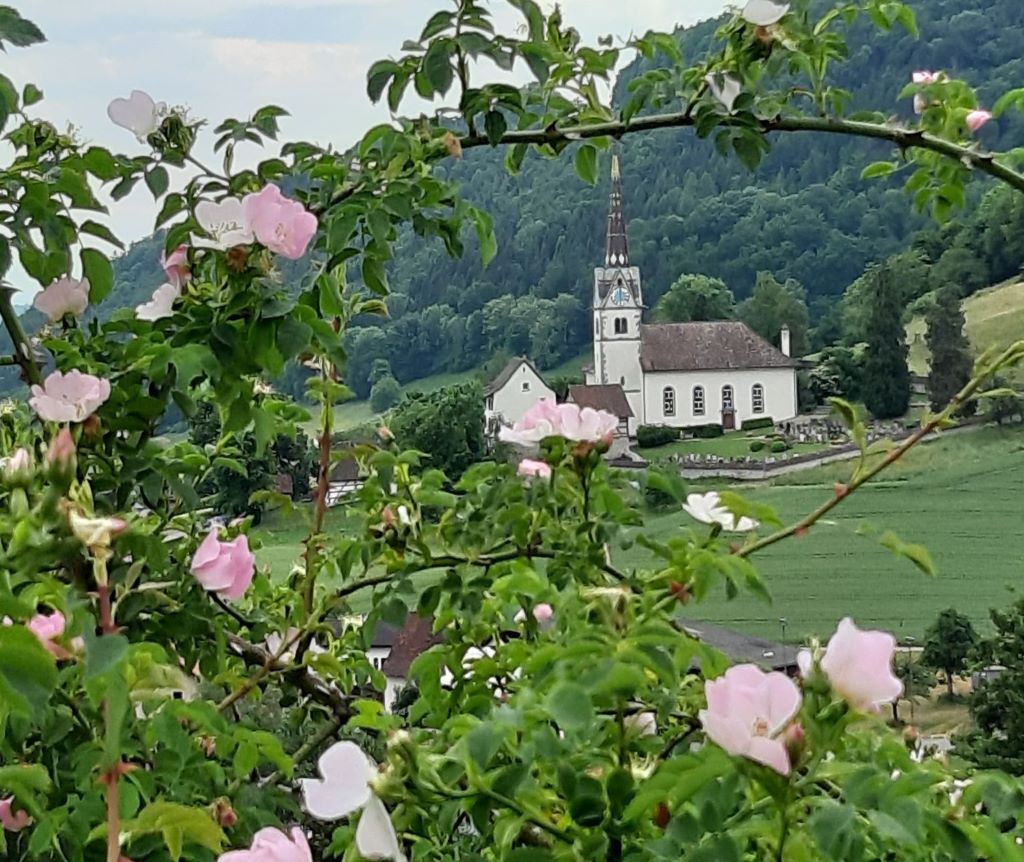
[{"x": 804, "y": 214}]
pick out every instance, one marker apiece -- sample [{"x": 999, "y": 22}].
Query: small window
[
  {"x": 757, "y": 397},
  {"x": 668, "y": 401},
  {"x": 728, "y": 402},
  {"x": 621, "y": 326},
  {"x": 526, "y": 386},
  {"x": 490, "y": 402},
  {"x": 597, "y": 326},
  {"x": 622, "y": 382},
  {"x": 698, "y": 400}
]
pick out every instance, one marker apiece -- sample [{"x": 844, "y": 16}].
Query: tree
[
  {"x": 447, "y": 425},
  {"x": 948, "y": 644},
  {"x": 839, "y": 373},
  {"x": 385, "y": 394},
  {"x": 695, "y": 297},
  {"x": 1007, "y": 403},
  {"x": 886, "y": 376},
  {"x": 951, "y": 362},
  {"x": 997, "y": 705},
  {"x": 774, "y": 304},
  {"x": 379, "y": 368}
]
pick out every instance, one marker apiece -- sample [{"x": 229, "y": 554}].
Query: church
[{"x": 717, "y": 372}]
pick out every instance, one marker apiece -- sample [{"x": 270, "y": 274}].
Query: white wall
[
  {"x": 513, "y": 400},
  {"x": 779, "y": 391}
]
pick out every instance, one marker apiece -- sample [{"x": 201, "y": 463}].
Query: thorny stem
[
  {"x": 903, "y": 138},
  {"x": 270, "y": 664},
  {"x": 112, "y": 775},
  {"x": 862, "y": 478},
  {"x": 23, "y": 355}
]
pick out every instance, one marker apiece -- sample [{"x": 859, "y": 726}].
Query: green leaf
[
  {"x": 437, "y": 66},
  {"x": 833, "y": 827},
  {"x": 100, "y": 273},
  {"x": 94, "y": 228},
  {"x": 878, "y": 169},
  {"x": 100, "y": 163},
  {"x": 495, "y": 126},
  {"x": 482, "y": 743},
  {"x": 19, "y": 31},
  {"x": 28, "y": 673},
  {"x": 485, "y": 235},
  {"x": 586, "y": 163},
  {"x": 8, "y": 99},
  {"x": 157, "y": 180},
  {"x": 30, "y": 94},
  {"x": 177, "y": 824},
  {"x": 103, "y": 653},
  {"x": 570, "y": 706},
  {"x": 377, "y": 78}
]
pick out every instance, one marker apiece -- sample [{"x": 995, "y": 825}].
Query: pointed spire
[{"x": 616, "y": 250}]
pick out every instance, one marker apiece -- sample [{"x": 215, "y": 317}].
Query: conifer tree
[
  {"x": 886, "y": 376},
  {"x": 951, "y": 362}
]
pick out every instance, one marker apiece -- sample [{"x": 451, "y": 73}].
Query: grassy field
[
  {"x": 355, "y": 413},
  {"x": 958, "y": 496},
  {"x": 995, "y": 317}
]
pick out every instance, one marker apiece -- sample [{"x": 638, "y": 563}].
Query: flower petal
[
  {"x": 375, "y": 835},
  {"x": 344, "y": 785}
]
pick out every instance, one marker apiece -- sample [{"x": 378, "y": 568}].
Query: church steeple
[{"x": 616, "y": 251}]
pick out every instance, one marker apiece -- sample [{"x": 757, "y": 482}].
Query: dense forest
[{"x": 804, "y": 215}]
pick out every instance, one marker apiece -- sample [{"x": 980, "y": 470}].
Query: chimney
[{"x": 785, "y": 339}]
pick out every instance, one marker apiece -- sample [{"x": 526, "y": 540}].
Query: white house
[
  {"x": 514, "y": 391},
  {"x": 681, "y": 374}
]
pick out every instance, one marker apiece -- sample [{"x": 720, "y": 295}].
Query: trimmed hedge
[
  {"x": 780, "y": 446},
  {"x": 704, "y": 432},
  {"x": 759, "y": 422},
  {"x": 649, "y": 436},
  {"x": 756, "y": 445}
]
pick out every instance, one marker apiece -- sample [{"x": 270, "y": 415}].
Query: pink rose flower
[
  {"x": 748, "y": 710},
  {"x": 64, "y": 296},
  {"x": 924, "y": 77},
  {"x": 536, "y": 469},
  {"x": 224, "y": 567},
  {"x": 139, "y": 114},
  {"x": 11, "y": 820},
  {"x": 175, "y": 265},
  {"x": 976, "y": 119},
  {"x": 543, "y": 613},
  {"x": 71, "y": 397},
  {"x": 161, "y": 304},
  {"x": 272, "y": 845},
  {"x": 61, "y": 452},
  {"x": 281, "y": 224},
  {"x": 18, "y": 466},
  {"x": 764, "y": 13},
  {"x": 47, "y": 628},
  {"x": 547, "y": 419},
  {"x": 225, "y": 222},
  {"x": 858, "y": 665}
]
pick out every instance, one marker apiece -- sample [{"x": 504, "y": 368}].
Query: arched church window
[
  {"x": 621, "y": 326},
  {"x": 668, "y": 401},
  {"x": 757, "y": 397},
  {"x": 728, "y": 401},
  {"x": 698, "y": 400}
]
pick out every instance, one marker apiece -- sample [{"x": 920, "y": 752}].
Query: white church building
[{"x": 716, "y": 372}]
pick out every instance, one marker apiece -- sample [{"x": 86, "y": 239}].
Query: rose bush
[{"x": 562, "y": 713}]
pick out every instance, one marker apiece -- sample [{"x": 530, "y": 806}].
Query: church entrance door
[{"x": 728, "y": 419}]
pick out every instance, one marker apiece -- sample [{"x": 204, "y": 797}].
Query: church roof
[
  {"x": 506, "y": 374},
  {"x": 603, "y": 396},
  {"x": 706, "y": 345},
  {"x": 415, "y": 637}
]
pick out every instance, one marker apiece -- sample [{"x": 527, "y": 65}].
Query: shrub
[
  {"x": 705, "y": 432},
  {"x": 759, "y": 422},
  {"x": 649, "y": 436},
  {"x": 386, "y": 393},
  {"x": 756, "y": 445},
  {"x": 780, "y": 446}
]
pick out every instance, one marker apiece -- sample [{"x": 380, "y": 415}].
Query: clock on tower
[{"x": 620, "y": 296}]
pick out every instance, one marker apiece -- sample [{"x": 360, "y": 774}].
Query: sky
[{"x": 225, "y": 58}]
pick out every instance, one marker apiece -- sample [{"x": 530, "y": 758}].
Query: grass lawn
[
  {"x": 959, "y": 497},
  {"x": 735, "y": 444}
]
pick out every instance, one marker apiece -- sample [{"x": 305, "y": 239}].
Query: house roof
[
  {"x": 706, "y": 345},
  {"x": 416, "y": 636},
  {"x": 384, "y": 635},
  {"x": 740, "y": 647},
  {"x": 506, "y": 374},
  {"x": 604, "y": 396},
  {"x": 345, "y": 470}
]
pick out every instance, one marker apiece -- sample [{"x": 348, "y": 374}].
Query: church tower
[{"x": 617, "y": 308}]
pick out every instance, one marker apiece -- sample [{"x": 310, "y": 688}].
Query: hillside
[{"x": 995, "y": 318}]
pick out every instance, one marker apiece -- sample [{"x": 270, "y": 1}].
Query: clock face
[{"x": 620, "y": 296}]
